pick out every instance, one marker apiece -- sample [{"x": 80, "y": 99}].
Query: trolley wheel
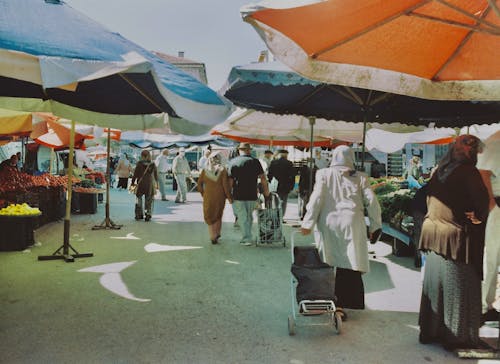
[
  {"x": 337, "y": 321},
  {"x": 291, "y": 326}
]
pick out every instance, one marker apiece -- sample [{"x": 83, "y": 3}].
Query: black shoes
[
  {"x": 147, "y": 218},
  {"x": 490, "y": 315}
]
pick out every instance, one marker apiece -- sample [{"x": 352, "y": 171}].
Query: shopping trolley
[
  {"x": 270, "y": 220},
  {"x": 312, "y": 288}
]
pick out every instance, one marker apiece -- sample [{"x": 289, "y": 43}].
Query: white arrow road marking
[
  {"x": 112, "y": 279},
  {"x": 154, "y": 247},
  {"x": 130, "y": 236}
]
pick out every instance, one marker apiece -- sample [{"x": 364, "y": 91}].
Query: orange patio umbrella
[
  {"x": 432, "y": 49},
  {"x": 52, "y": 134}
]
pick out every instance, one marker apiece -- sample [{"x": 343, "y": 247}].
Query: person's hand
[
  {"x": 374, "y": 235},
  {"x": 157, "y": 186},
  {"x": 472, "y": 217},
  {"x": 305, "y": 231}
]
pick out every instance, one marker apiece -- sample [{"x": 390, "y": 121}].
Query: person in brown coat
[
  {"x": 452, "y": 238},
  {"x": 213, "y": 184},
  {"x": 146, "y": 177}
]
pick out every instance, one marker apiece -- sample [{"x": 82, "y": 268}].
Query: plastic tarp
[
  {"x": 50, "y": 51},
  {"x": 142, "y": 139},
  {"x": 389, "y": 142}
]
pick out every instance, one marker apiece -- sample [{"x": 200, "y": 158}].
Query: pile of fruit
[
  {"x": 20, "y": 210},
  {"x": 14, "y": 181}
]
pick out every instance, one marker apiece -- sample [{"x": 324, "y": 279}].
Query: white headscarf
[
  {"x": 343, "y": 157},
  {"x": 213, "y": 166}
]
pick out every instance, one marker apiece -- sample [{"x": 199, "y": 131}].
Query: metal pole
[
  {"x": 312, "y": 121},
  {"x": 66, "y": 245},
  {"x": 365, "y": 122},
  {"x": 107, "y": 223},
  {"x": 67, "y": 217},
  {"x": 108, "y": 172}
]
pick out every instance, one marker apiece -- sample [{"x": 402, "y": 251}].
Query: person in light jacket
[
  {"x": 336, "y": 207},
  {"x": 123, "y": 170},
  {"x": 181, "y": 171},
  {"x": 488, "y": 164}
]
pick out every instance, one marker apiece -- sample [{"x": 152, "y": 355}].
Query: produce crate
[
  {"x": 17, "y": 232},
  {"x": 88, "y": 202}
]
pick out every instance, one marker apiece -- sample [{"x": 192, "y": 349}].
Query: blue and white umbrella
[{"x": 54, "y": 58}]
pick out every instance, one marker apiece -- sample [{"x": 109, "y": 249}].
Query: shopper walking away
[
  {"x": 163, "y": 166},
  {"x": 319, "y": 159},
  {"x": 123, "y": 170},
  {"x": 244, "y": 171},
  {"x": 282, "y": 169},
  {"x": 113, "y": 162},
  {"x": 213, "y": 184},
  {"x": 306, "y": 178},
  {"x": 488, "y": 164},
  {"x": 181, "y": 171},
  {"x": 266, "y": 160},
  {"x": 146, "y": 178},
  {"x": 202, "y": 163},
  {"x": 336, "y": 207},
  {"x": 452, "y": 238}
]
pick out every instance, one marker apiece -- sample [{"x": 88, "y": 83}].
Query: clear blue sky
[{"x": 208, "y": 31}]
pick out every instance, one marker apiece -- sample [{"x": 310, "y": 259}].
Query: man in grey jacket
[{"x": 181, "y": 171}]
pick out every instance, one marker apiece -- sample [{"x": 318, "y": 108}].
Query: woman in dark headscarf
[{"x": 453, "y": 238}]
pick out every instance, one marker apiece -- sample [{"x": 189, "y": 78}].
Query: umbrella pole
[
  {"x": 51, "y": 160},
  {"x": 66, "y": 245},
  {"x": 364, "y": 147},
  {"x": 107, "y": 223},
  {"x": 312, "y": 121}
]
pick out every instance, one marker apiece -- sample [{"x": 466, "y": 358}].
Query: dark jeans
[{"x": 148, "y": 205}]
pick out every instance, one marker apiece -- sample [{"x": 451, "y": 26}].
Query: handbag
[{"x": 132, "y": 189}]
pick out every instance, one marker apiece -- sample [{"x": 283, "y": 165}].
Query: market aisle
[{"x": 159, "y": 292}]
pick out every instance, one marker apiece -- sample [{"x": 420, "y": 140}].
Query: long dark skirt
[
  {"x": 450, "y": 309},
  {"x": 349, "y": 289}
]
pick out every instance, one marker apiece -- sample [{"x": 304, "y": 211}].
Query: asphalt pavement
[{"x": 160, "y": 292}]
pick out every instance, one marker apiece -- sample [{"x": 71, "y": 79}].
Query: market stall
[
  {"x": 395, "y": 200},
  {"x": 26, "y": 203}
]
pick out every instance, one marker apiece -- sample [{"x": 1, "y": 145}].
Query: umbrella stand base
[
  {"x": 68, "y": 258},
  {"x": 107, "y": 223}
]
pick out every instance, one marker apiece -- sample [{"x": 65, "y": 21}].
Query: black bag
[{"x": 316, "y": 280}]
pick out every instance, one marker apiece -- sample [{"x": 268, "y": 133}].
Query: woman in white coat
[{"x": 336, "y": 207}]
